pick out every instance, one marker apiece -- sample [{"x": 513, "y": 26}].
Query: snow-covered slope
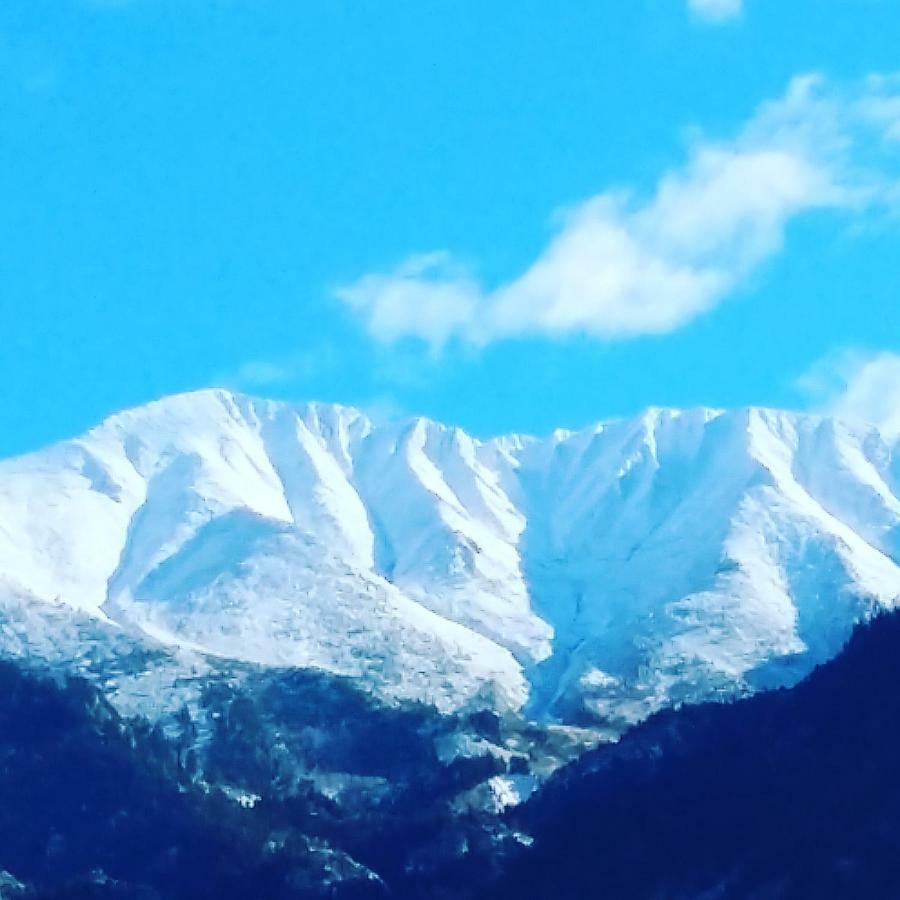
[{"x": 600, "y": 573}]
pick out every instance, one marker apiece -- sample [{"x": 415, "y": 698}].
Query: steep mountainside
[
  {"x": 788, "y": 794},
  {"x": 588, "y": 577}
]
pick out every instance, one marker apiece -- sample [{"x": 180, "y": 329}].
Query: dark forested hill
[
  {"x": 305, "y": 788},
  {"x": 794, "y": 793},
  {"x": 93, "y": 806}
]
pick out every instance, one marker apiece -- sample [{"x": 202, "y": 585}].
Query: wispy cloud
[
  {"x": 716, "y": 10},
  {"x": 296, "y": 369},
  {"x": 880, "y": 105},
  {"x": 857, "y": 386},
  {"x": 621, "y": 264}
]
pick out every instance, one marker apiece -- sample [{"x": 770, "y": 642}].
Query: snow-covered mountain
[{"x": 597, "y": 574}]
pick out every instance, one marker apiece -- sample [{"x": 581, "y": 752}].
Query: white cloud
[
  {"x": 716, "y": 10},
  {"x": 622, "y": 264},
  {"x": 426, "y": 296},
  {"x": 858, "y": 387}
]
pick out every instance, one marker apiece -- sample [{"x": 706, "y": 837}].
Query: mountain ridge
[{"x": 590, "y": 575}]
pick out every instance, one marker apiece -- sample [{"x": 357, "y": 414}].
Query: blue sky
[{"x": 509, "y": 216}]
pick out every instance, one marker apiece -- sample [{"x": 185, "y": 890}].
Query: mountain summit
[{"x": 587, "y": 577}]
